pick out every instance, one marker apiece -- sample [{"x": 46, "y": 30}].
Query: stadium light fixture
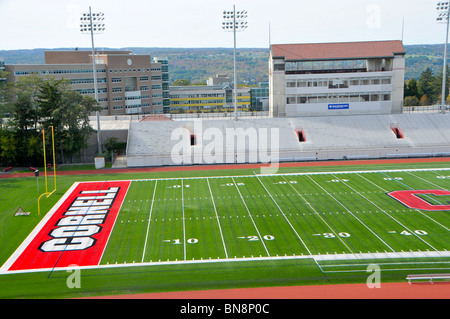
[
  {"x": 91, "y": 23},
  {"x": 235, "y": 21},
  {"x": 443, "y": 9}
]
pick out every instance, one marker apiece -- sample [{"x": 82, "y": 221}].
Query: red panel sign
[
  {"x": 411, "y": 200},
  {"x": 78, "y": 230}
]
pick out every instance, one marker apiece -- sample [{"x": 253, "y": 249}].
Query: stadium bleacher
[{"x": 151, "y": 143}]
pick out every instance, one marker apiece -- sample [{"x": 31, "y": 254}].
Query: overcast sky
[{"x": 28, "y": 24}]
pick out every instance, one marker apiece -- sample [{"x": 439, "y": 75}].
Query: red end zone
[
  {"x": 410, "y": 199},
  {"x": 77, "y": 231}
]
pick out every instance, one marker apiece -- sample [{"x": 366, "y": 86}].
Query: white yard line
[
  {"x": 394, "y": 219},
  {"x": 327, "y": 257},
  {"x": 295, "y": 174},
  {"x": 318, "y": 214},
  {"x": 218, "y": 219},
  {"x": 254, "y": 224},
  {"x": 420, "y": 212},
  {"x": 445, "y": 253},
  {"x": 149, "y": 220},
  {"x": 351, "y": 213},
  {"x": 425, "y": 180},
  {"x": 115, "y": 221},
  {"x": 425, "y": 195},
  {"x": 184, "y": 224},
  {"x": 285, "y": 217}
]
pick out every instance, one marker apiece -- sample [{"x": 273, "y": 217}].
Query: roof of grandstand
[{"x": 346, "y": 50}]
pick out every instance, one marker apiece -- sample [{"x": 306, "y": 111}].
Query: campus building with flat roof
[
  {"x": 207, "y": 98},
  {"x": 127, "y": 83},
  {"x": 336, "y": 78}
]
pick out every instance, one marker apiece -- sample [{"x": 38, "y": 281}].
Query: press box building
[{"x": 336, "y": 78}]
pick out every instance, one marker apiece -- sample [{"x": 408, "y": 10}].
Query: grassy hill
[
  {"x": 421, "y": 57},
  {"x": 198, "y": 64}
]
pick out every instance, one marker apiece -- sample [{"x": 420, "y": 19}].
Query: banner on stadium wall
[{"x": 338, "y": 106}]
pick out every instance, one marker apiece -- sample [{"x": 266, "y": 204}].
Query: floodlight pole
[
  {"x": 444, "y": 74},
  {"x": 446, "y": 16},
  {"x": 235, "y": 26},
  {"x": 94, "y": 68},
  {"x": 234, "y": 64}
]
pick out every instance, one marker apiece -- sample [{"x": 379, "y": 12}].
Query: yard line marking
[
  {"x": 370, "y": 256},
  {"x": 425, "y": 180},
  {"x": 417, "y": 210},
  {"x": 318, "y": 214},
  {"x": 350, "y": 213},
  {"x": 284, "y": 216},
  {"x": 425, "y": 195},
  {"x": 394, "y": 219},
  {"x": 218, "y": 221},
  {"x": 149, "y": 219},
  {"x": 300, "y": 174},
  {"x": 257, "y": 230},
  {"x": 184, "y": 224},
  {"x": 117, "y": 218}
]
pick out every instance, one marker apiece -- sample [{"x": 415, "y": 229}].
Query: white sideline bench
[{"x": 428, "y": 277}]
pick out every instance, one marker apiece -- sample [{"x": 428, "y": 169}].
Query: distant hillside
[
  {"x": 421, "y": 57},
  {"x": 198, "y": 64}
]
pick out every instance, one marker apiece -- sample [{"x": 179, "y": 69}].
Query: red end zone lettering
[
  {"x": 78, "y": 230},
  {"x": 411, "y": 200}
]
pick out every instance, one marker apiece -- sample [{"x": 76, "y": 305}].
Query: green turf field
[
  {"x": 233, "y": 229},
  {"x": 345, "y": 215}
]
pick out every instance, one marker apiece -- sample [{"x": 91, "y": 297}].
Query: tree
[
  {"x": 424, "y": 101},
  {"x": 181, "y": 82},
  {"x": 68, "y": 112},
  {"x": 8, "y": 148},
  {"x": 411, "y": 101},
  {"x": 49, "y": 100},
  {"x": 23, "y": 103},
  {"x": 425, "y": 84},
  {"x": 114, "y": 146},
  {"x": 411, "y": 88},
  {"x": 74, "y": 116},
  {"x": 437, "y": 86},
  {"x": 3, "y": 95},
  {"x": 34, "y": 148},
  {"x": 37, "y": 104}
]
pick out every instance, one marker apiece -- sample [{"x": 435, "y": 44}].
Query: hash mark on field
[
  {"x": 295, "y": 231},
  {"x": 259, "y": 234},
  {"x": 351, "y": 212},
  {"x": 217, "y": 216},
  {"x": 150, "y": 218}
]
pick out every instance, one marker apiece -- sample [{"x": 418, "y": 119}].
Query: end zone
[{"x": 75, "y": 231}]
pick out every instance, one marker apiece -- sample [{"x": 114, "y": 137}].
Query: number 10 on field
[{"x": 179, "y": 242}]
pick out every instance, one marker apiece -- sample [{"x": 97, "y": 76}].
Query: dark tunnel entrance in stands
[
  {"x": 300, "y": 135},
  {"x": 397, "y": 130}
]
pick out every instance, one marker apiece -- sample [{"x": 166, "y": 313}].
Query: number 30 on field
[{"x": 331, "y": 235}]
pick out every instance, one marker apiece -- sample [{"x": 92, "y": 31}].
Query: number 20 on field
[{"x": 256, "y": 238}]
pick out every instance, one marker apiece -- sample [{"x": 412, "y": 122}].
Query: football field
[
  {"x": 324, "y": 216},
  {"x": 342, "y": 215}
]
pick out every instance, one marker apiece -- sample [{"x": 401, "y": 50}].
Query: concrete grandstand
[{"x": 264, "y": 140}]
